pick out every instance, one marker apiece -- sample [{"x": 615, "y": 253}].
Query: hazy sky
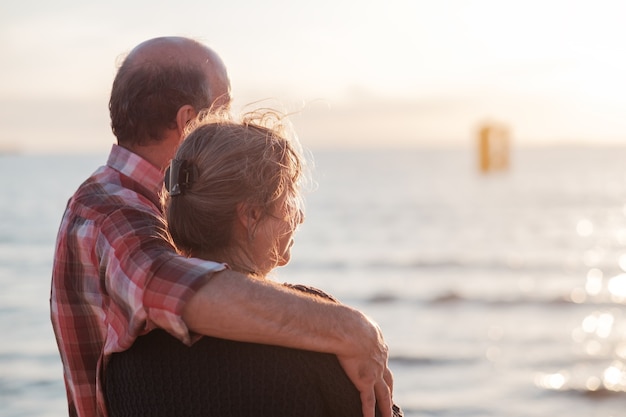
[{"x": 384, "y": 72}]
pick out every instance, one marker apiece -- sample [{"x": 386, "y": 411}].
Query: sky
[{"x": 366, "y": 73}]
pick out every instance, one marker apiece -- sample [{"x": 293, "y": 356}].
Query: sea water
[{"x": 499, "y": 294}]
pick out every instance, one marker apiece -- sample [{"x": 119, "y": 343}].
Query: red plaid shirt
[{"x": 115, "y": 276}]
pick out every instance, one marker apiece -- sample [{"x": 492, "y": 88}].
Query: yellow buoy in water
[{"x": 493, "y": 147}]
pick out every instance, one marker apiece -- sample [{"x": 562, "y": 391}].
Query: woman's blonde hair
[{"x": 256, "y": 161}]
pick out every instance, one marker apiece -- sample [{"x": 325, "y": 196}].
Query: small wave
[
  {"x": 409, "y": 361},
  {"x": 443, "y": 411},
  {"x": 596, "y": 394},
  {"x": 383, "y": 298},
  {"x": 601, "y": 393},
  {"x": 448, "y": 297},
  {"x": 593, "y": 382},
  {"x": 466, "y": 263},
  {"x": 453, "y": 297},
  {"x": 514, "y": 301},
  {"x": 17, "y": 355}
]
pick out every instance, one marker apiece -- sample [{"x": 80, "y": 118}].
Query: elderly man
[{"x": 116, "y": 276}]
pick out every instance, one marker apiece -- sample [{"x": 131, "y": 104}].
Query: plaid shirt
[{"x": 115, "y": 275}]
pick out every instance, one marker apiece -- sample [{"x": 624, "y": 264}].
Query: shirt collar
[{"x": 135, "y": 167}]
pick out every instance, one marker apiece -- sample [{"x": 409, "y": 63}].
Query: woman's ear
[{"x": 249, "y": 217}]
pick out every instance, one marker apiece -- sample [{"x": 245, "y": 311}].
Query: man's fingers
[
  {"x": 368, "y": 402},
  {"x": 388, "y": 377},
  {"x": 383, "y": 397}
]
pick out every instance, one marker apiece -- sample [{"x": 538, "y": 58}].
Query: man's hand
[{"x": 370, "y": 375}]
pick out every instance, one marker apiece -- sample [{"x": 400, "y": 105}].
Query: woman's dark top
[{"x": 161, "y": 377}]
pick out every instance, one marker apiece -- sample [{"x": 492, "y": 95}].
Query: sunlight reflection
[
  {"x": 593, "y": 286},
  {"x": 593, "y": 383},
  {"x": 593, "y": 347},
  {"x": 617, "y": 288},
  {"x": 620, "y": 350},
  {"x": 622, "y": 262},
  {"x": 599, "y": 324},
  {"x": 584, "y": 227},
  {"x": 614, "y": 377},
  {"x": 551, "y": 381}
]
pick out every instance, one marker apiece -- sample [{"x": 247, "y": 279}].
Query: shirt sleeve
[
  {"x": 146, "y": 283},
  {"x": 171, "y": 287}
]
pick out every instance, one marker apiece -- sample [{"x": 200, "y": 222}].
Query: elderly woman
[{"x": 234, "y": 197}]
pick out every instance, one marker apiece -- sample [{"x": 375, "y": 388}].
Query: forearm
[{"x": 233, "y": 306}]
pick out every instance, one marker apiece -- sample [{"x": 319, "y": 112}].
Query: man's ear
[{"x": 184, "y": 115}]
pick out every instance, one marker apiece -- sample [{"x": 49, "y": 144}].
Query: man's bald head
[{"x": 157, "y": 78}]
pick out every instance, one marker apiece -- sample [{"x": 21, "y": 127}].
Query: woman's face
[{"x": 274, "y": 237}]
